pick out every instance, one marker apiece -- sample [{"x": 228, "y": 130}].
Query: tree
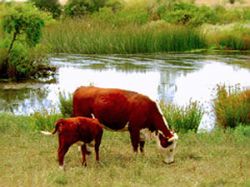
[
  {"x": 22, "y": 25},
  {"x": 22, "y": 22}
]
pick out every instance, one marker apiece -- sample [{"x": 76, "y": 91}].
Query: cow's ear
[{"x": 161, "y": 136}]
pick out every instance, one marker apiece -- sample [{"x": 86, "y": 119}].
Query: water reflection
[
  {"x": 170, "y": 77},
  {"x": 23, "y": 100}
]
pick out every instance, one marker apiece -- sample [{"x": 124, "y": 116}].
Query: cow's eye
[{"x": 171, "y": 150}]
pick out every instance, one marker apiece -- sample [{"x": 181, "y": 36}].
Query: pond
[{"x": 176, "y": 78}]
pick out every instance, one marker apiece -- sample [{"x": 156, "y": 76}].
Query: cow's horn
[
  {"x": 171, "y": 139},
  {"x": 175, "y": 137}
]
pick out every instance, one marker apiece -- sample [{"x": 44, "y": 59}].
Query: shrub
[
  {"x": 246, "y": 14},
  {"x": 231, "y": 42},
  {"x": 242, "y": 131},
  {"x": 183, "y": 119},
  {"x": 79, "y": 8},
  {"x": 188, "y": 14},
  {"x": 52, "y": 6},
  {"x": 232, "y": 106},
  {"x": 44, "y": 120},
  {"x": 66, "y": 104}
]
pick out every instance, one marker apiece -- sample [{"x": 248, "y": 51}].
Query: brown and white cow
[
  {"x": 72, "y": 130},
  {"x": 117, "y": 108}
]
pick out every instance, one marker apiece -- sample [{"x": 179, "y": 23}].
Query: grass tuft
[
  {"x": 66, "y": 104},
  {"x": 89, "y": 37},
  {"x": 232, "y": 106},
  {"x": 183, "y": 119}
]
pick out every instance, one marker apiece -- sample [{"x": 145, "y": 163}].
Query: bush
[
  {"x": 242, "y": 131},
  {"x": 188, "y": 14},
  {"x": 66, "y": 104},
  {"x": 232, "y": 106},
  {"x": 79, "y": 8},
  {"x": 183, "y": 119},
  {"x": 233, "y": 42},
  {"x": 51, "y": 6},
  {"x": 44, "y": 120}
]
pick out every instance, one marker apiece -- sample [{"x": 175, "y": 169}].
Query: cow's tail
[{"x": 47, "y": 133}]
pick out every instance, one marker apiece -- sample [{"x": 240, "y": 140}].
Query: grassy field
[{"x": 207, "y": 159}]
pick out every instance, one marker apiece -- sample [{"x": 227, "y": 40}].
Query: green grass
[
  {"x": 89, "y": 37},
  {"x": 183, "y": 119},
  {"x": 232, "y": 106},
  {"x": 209, "y": 159}
]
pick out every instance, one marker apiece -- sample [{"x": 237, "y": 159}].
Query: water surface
[{"x": 176, "y": 78}]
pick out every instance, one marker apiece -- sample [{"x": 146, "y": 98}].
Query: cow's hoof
[
  {"x": 84, "y": 164},
  {"x": 62, "y": 168},
  {"x": 168, "y": 162}
]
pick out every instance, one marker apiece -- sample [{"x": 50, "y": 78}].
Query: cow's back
[
  {"x": 112, "y": 107},
  {"x": 83, "y": 99}
]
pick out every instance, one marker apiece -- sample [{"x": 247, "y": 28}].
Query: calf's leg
[
  {"x": 84, "y": 152},
  {"x": 62, "y": 150}
]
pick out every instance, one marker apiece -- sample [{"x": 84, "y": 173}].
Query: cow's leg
[
  {"x": 62, "y": 150},
  {"x": 142, "y": 141},
  {"x": 135, "y": 138},
  {"x": 98, "y": 140},
  {"x": 84, "y": 152}
]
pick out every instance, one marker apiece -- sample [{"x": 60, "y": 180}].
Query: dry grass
[{"x": 29, "y": 159}]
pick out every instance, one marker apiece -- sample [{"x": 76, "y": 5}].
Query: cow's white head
[{"x": 167, "y": 146}]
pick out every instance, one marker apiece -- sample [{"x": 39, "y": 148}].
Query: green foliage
[
  {"x": 19, "y": 64},
  {"x": 124, "y": 17},
  {"x": 188, "y": 14},
  {"x": 93, "y": 37},
  {"x": 44, "y": 120},
  {"x": 233, "y": 42},
  {"x": 22, "y": 25},
  {"x": 79, "y": 8},
  {"x": 242, "y": 131},
  {"x": 52, "y": 6},
  {"x": 66, "y": 104},
  {"x": 246, "y": 14},
  {"x": 226, "y": 16},
  {"x": 24, "y": 21},
  {"x": 232, "y": 107},
  {"x": 183, "y": 119}
]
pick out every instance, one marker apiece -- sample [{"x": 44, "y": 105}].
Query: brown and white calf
[{"x": 72, "y": 130}]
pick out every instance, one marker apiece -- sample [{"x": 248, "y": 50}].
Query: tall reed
[
  {"x": 183, "y": 119},
  {"x": 66, "y": 104},
  {"x": 232, "y": 106},
  {"x": 79, "y": 36}
]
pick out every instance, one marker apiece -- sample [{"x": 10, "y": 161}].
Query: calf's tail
[{"x": 47, "y": 133}]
